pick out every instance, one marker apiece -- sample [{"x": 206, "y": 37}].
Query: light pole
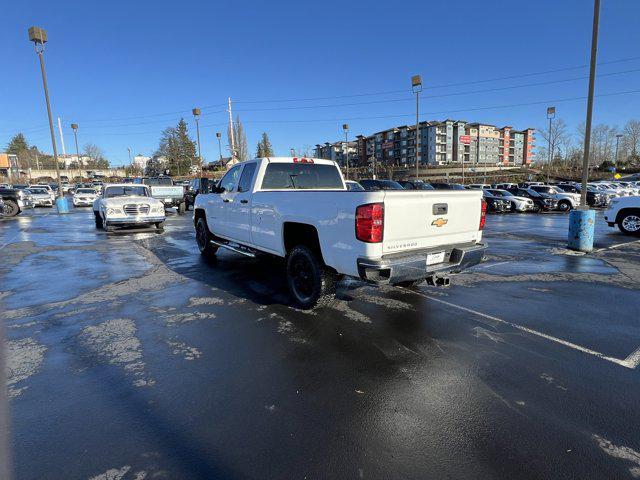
[
  {"x": 74, "y": 127},
  {"x": 582, "y": 220},
  {"x": 618, "y": 137},
  {"x": 416, "y": 87},
  {"x": 293, "y": 152},
  {"x": 196, "y": 115},
  {"x": 551, "y": 113},
  {"x": 345, "y": 128},
  {"x": 38, "y": 36},
  {"x": 219, "y": 136}
]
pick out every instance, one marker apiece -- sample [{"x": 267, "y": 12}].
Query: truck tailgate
[
  {"x": 167, "y": 191},
  {"x": 418, "y": 219}
]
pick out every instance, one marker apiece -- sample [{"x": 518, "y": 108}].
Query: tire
[
  {"x": 564, "y": 205},
  {"x": 182, "y": 208},
  {"x": 159, "y": 225},
  {"x": 11, "y": 208},
  {"x": 203, "y": 239},
  {"x": 629, "y": 223},
  {"x": 311, "y": 283},
  {"x": 98, "y": 220},
  {"x": 107, "y": 228}
]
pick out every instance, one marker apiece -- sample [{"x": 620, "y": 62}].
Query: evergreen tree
[
  {"x": 17, "y": 145},
  {"x": 177, "y": 149},
  {"x": 264, "y": 147}
]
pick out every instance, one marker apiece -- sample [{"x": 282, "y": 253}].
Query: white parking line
[
  {"x": 493, "y": 264},
  {"x": 632, "y": 361}
]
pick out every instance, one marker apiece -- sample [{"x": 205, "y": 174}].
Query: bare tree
[
  {"x": 240, "y": 140},
  {"x": 557, "y": 133},
  {"x": 632, "y": 137}
]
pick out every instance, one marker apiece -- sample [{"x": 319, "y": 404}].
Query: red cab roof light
[{"x": 302, "y": 160}]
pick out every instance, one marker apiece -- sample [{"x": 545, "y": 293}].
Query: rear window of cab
[{"x": 301, "y": 176}]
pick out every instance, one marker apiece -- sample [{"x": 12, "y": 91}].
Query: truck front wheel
[
  {"x": 11, "y": 208},
  {"x": 310, "y": 282},
  {"x": 98, "y": 219},
  {"x": 203, "y": 239}
]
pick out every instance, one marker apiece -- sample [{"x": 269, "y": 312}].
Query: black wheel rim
[
  {"x": 302, "y": 275},
  {"x": 201, "y": 236}
]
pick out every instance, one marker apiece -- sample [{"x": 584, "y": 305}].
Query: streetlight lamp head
[
  {"x": 619, "y": 135},
  {"x": 218, "y": 134},
  {"x": 416, "y": 83},
  {"x": 74, "y": 126},
  {"x": 345, "y": 126},
  {"x": 551, "y": 112},
  {"x": 196, "y": 112},
  {"x": 37, "y": 35}
]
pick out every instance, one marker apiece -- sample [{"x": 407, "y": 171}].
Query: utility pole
[
  {"x": 231, "y": 135},
  {"x": 416, "y": 86},
  {"x": 39, "y": 37},
  {"x": 64, "y": 152},
  {"x": 345, "y": 128},
  {"x": 74, "y": 127},
  {"x": 551, "y": 113},
  {"x": 582, "y": 220},
  {"x": 618, "y": 137},
  {"x": 196, "y": 115}
]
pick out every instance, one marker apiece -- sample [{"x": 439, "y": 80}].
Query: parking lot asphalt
[{"x": 132, "y": 357}]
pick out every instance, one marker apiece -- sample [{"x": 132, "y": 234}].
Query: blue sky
[{"x": 125, "y": 70}]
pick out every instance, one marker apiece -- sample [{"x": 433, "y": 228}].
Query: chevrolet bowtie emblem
[{"x": 439, "y": 222}]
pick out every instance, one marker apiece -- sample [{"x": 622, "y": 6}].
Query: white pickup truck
[{"x": 300, "y": 209}]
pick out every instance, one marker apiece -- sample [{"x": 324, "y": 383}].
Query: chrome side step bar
[{"x": 246, "y": 253}]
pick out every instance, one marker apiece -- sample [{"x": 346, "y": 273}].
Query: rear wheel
[
  {"x": 11, "y": 208},
  {"x": 629, "y": 223},
  {"x": 564, "y": 205},
  {"x": 311, "y": 283},
  {"x": 203, "y": 239},
  {"x": 182, "y": 208}
]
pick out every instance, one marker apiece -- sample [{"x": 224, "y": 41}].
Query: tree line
[{"x": 567, "y": 147}]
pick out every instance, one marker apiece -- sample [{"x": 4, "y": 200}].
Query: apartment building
[{"x": 439, "y": 143}]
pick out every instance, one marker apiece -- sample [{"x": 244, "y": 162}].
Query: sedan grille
[{"x": 136, "y": 209}]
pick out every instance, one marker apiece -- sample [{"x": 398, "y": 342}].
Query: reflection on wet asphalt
[{"x": 132, "y": 357}]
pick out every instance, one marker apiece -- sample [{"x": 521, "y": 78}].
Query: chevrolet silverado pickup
[
  {"x": 163, "y": 189},
  {"x": 300, "y": 209}
]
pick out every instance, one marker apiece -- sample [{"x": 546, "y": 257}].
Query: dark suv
[{"x": 197, "y": 186}]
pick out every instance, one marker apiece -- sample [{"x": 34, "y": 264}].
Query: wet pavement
[{"x": 131, "y": 357}]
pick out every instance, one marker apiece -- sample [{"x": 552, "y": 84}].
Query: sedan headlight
[{"x": 114, "y": 211}]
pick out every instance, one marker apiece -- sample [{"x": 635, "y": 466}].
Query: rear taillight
[
  {"x": 483, "y": 213},
  {"x": 370, "y": 222}
]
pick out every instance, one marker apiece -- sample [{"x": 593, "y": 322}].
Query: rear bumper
[{"x": 410, "y": 266}]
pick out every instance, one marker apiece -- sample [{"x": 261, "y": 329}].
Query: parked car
[
  {"x": 415, "y": 185},
  {"x": 542, "y": 201},
  {"x": 373, "y": 185},
  {"x": 594, "y": 198},
  {"x": 299, "y": 209},
  {"x": 518, "y": 204},
  {"x": 625, "y": 213},
  {"x": 46, "y": 187},
  {"x": 84, "y": 197},
  {"x": 446, "y": 186},
  {"x": 196, "y": 187},
  {"x": 125, "y": 204},
  {"x": 41, "y": 197},
  {"x": 353, "y": 186},
  {"x": 163, "y": 189},
  {"x": 495, "y": 204},
  {"x": 566, "y": 201},
  {"x": 15, "y": 201},
  {"x": 505, "y": 186},
  {"x": 530, "y": 184},
  {"x": 478, "y": 186}
]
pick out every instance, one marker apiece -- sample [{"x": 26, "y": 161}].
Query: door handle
[{"x": 244, "y": 201}]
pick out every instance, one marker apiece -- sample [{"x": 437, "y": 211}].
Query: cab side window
[
  {"x": 230, "y": 180},
  {"x": 247, "y": 177}
]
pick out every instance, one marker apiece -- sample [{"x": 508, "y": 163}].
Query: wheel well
[
  {"x": 198, "y": 213},
  {"x": 625, "y": 211},
  {"x": 301, "y": 234}
]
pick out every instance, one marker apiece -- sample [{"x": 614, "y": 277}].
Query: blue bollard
[
  {"x": 582, "y": 225},
  {"x": 62, "y": 205}
]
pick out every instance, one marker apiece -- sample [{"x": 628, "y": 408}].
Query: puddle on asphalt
[{"x": 551, "y": 264}]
